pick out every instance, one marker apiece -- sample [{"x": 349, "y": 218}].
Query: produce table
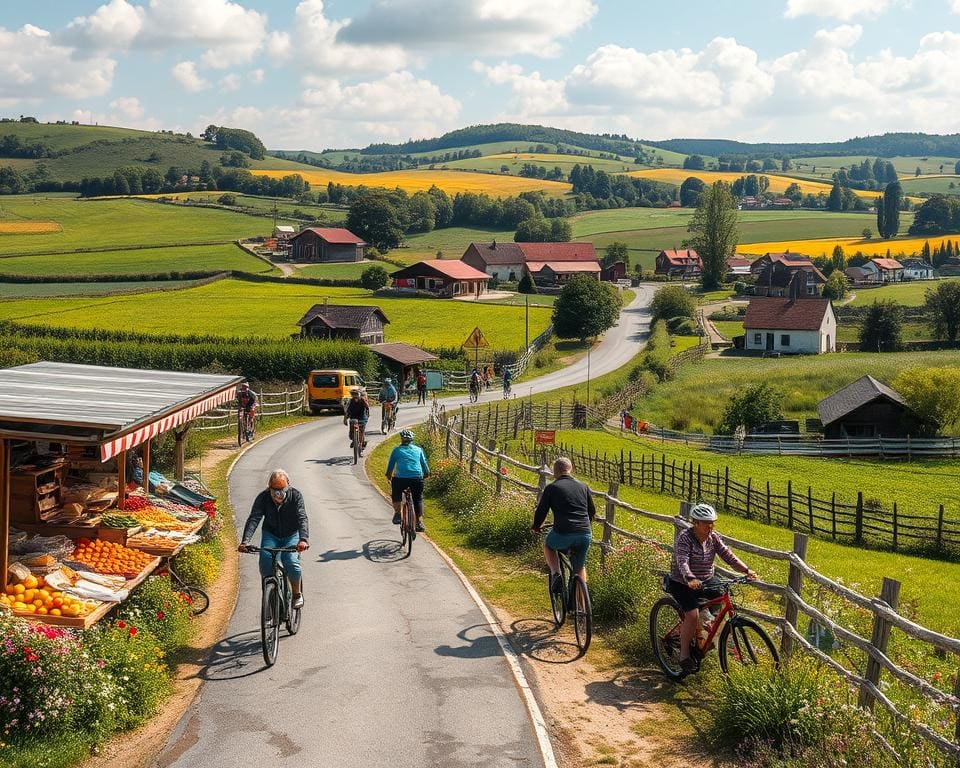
[{"x": 169, "y": 551}]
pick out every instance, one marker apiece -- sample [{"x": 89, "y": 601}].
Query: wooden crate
[{"x": 117, "y": 535}]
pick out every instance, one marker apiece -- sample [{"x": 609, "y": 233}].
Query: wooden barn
[
  {"x": 320, "y": 245},
  {"x": 443, "y": 277},
  {"x": 343, "y": 321},
  {"x": 868, "y": 408}
]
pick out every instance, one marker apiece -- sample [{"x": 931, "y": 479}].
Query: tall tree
[
  {"x": 714, "y": 231},
  {"x": 376, "y": 220},
  {"x": 892, "y": 199},
  {"x": 614, "y": 252},
  {"x": 943, "y": 310},
  {"x": 690, "y": 192},
  {"x": 835, "y": 200},
  {"x": 585, "y": 307},
  {"x": 881, "y": 329},
  {"x": 839, "y": 258}
]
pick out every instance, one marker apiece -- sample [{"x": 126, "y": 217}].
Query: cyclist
[
  {"x": 388, "y": 394},
  {"x": 507, "y": 380},
  {"x": 247, "y": 402},
  {"x": 285, "y": 524},
  {"x": 573, "y": 513},
  {"x": 692, "y": 576},
  {"x": 475, "y": 382},
  {"x": 357, "y": 408},
  {"x": 407, "y": 468}
]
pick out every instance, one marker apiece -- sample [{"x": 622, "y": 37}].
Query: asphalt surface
[{"x": 394, "y": 663}]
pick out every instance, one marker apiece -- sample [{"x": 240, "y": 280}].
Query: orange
[
  {"x": 19, "y": 589},
  {"x": 55, "y": 612},
  {"x": 30, "y": 582}
]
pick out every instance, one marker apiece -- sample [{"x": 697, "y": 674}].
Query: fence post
[
  {"x": 858, "y": 522},
  {"x": 699, "y": 481},
  {"x": 643, "y": 470},
  {"x": 810, "y": 507},
  {"x": 286, "y": 402},
  {"x": 663, "y": 472},
  {"x": 894, "y": 526},
  {"x": 447, "y": 448},
  {"x": 889, "y": 594},
  {"x": 768, "y": 502},
  {"x": 940, "y": 529},
  {"x": 956, "y": 693},
  {"x": 749, "y": 495},
  {"x": 499, "y": 472},
  {"x": 541, "y": 481},
  {"x": 609, "y": 520},
  {"x": 833, "y": 515},
  {"x": 790, "y": 504},
  {"x": 794, "y": 582},
  {"x": 473, "y": 452},
  {"x": 683, "y": 480},
  {"x": 630, "y": 469},
  {"x": 726, "y": 486}
]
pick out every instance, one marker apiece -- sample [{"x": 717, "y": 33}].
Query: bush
[
  {"x": 751, "y": 407},
  {"x": 374, "y": 277},
  {"x": 687, "y": 327},
  {"x": 584, "y": 308},
  {"x": 627, "y": 586},
  {"x": 881, "y": 329},
  {"x": 155, "y": 607},
  {"x": 672, "y": 301},
  {"x": 198, "y": 564}
]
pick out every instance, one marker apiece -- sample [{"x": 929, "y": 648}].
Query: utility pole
[
  {"x": 274, "y": 215},
  {"x": 588, "y": 376},
  {"x": 526, "y": 301}
]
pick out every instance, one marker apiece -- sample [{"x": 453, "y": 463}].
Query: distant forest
[{"x": 887, "y": 145}]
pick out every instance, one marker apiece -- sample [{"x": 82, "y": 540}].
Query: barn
[{"x": 320, "y": 245}]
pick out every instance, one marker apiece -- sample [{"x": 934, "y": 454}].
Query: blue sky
[{"x": 316, "y": 74}]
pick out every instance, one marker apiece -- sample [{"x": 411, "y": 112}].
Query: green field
[
  {"x": 345, "y": 271},
  {"x": 451, "y": 241},
  {"x": 238, "y": 308},
  {"x": 117, "y": 223},
  {"x": 24, "y": 290},
  {"x": 515, "y": 163},
  {"x": 909, "y": 294},
  {"x": 905, "y": 166},
  {"x": 943, "y": 185},
  {"x": 139, "y": 261},
  {"x": 520, "y": 300},
  {"x": 846, "y": 331}
]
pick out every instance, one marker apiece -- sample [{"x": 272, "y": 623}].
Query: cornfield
[
  {"x": 29, "y": 227},
  {"x": 851, "y": 245}
]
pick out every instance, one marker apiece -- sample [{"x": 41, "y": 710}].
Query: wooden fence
[
  {"x": 282, "y": 403},
  {"x": 493, "y": 468}
]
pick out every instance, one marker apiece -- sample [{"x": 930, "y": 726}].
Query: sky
[{"x": 320, "y": 74}]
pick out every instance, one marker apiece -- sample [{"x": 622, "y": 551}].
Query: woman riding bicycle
[
  {"x": 358, "y": 408},
  {"x": 692, "y": 576},
  {"x": 407, "y": 468}
]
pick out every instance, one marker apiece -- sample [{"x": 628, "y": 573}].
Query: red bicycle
[{"x": 742, "y": 640}]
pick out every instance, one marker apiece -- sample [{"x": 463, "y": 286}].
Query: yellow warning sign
[{"x": 475, "y": 340}]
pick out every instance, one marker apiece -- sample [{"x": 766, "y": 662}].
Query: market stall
[{"x": 72, "y": 543}]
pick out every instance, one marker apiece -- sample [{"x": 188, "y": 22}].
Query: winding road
[{"x": 394, "y": 664}]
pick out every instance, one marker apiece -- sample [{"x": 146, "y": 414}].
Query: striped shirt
[{"x": 693, "y": 560}]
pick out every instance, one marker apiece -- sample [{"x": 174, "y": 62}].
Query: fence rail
[
  {"x": 485, "y": 461},
  {"x": 268, "y": 404}
]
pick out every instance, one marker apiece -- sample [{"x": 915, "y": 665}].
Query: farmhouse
[
  {"x": 790, "y": 326},
  {"x": 794, "y": 279},
  {"x": 679, "y": 263},
  {"x": 323, "y": 244},
  {"x": 760, "y": 265},
  {"x": 917, "y": 269},
  {"x": 857, "y": 275},
  {"x": 342, "y": 321},
  {"x": 738, "y": 268},
  {"x": 884, "y": 270},
  {"x": 613, "y": 272},
  {"x": 867, "y": 409},
  {"x": 548, "y": 274},
  {"x": 503, "y": 261},
  {"x": 442, "y": 277}
]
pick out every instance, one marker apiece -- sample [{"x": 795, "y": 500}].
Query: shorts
[
  {"x": 688, "y": 598},
  {"x": 577, "y": 543},
  {"x": 415, "y": 484}
]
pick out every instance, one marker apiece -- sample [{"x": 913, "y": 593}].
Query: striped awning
[{"x": 111, "y": 448}]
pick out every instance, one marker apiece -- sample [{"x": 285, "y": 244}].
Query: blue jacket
[
  {"x": 388, "y": 394},
  {"x": 409, "y": 461}
]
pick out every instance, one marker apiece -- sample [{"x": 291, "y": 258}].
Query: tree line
[{"x": 599, "y": 189}]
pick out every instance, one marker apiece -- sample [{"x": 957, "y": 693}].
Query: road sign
[
  {"x": 545, "y": 437},
  {"x": 475, "y": 340}
]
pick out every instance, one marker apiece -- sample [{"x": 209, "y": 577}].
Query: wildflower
[
  {"x": 160, "y": 615},
  {"x": 122, "y": 624},
  {"x": 133, "y": 631}
]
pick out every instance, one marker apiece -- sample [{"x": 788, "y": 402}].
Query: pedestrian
[{"x": 421, "y": 387}]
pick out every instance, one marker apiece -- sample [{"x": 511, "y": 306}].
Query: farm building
[
  {"x": 323, "y": 244},
  {"x": 679, "y": 263},
  {"x": 284, "y": 232},
  {"x": 857, "y": 275},
  {"x": 917, "y": 269},
  {"x": 548, "y": 274},
  {"x": 503, "y": 261},
  {"x": 443, "y": 277},
  {"x": 884, "y": 270},
  {"x": 559, "y": 252},
  {"x": 759, "y": 266},
  {"x": 613, "y": 272},
  {"x": 738, "y": 268},
  {"x": 790, "y": 326},
  {"x": 341, "y": 321},
  {"x": 868, "y": 408},
  {"x": 791, "y": 279}
]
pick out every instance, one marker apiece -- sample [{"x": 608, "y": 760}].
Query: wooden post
[
  {"x": 622, "y": 476},
  {"x": 790, "y": 504},
  {"x": 683, "y": 480},
  {"x": 447, "y": 446},
  {"x": 768, "y": 502},
  {"x": 474, "y": 445},
  {"x": 699, "y": 481},
  {"x": 810, "y": 507},
  {"x": 663, "y": 472},
  {"x": 499, "y": 473},
  {"x": 726, "y": 485},
  {"x": 858, "y": 530},
  {"x": 894, "y": 526},
  {"x": 496, "y": 420},
  {"x": 749, "y": 495},
  {"x": 286, "y": 402},
  {"x": 956, "y": 693},
  {"x": 794, "y": 582},
  {"x": 4, "y": 508},
  {"x": 940, "y": 529},
  {"x": 121, "y": 478},
  {"x": 643, "y": 470},
  {"x": 541, "y": 481},
  {"x": 673, "y": 477},
  {"x": 146, "y": 466},
  {"x": 630, "y": 469},
  {"x": 833, "y": 515},
  {"x": 609, "y": 520},
  {"x": 890, "y": 594},
  {"x": 179, "y": 451},
  {"x": 463, "y": 429}
]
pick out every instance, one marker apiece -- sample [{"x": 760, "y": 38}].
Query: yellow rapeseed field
[
  {"x": 450, "y": 182},
  {"x": 850, "y": 245},
  {"x": 28, "y": 227}
]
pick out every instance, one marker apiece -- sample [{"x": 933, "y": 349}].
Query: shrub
[
  {"x": 881, "y": 329},
  {"x": 672, "y": 301},
  {"x": 627, "y": 586},
  {"x": 154, "y": 606},
  {"x": 751, "y": 407},
  {"x": 198, "y": 564},
  {"x": 374, "y": 277},
  {"x": 499, "y": 523}
]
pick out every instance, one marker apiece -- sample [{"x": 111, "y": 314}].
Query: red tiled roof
[
  {"x": 887, "y": 263},
  {"x": 565, "y": 266},
  {"x": 682, "y": 257},
  {"x": 455, "y": 270},
  {"x": 785, "y": 314},
  {"x": 558, "y": 251},
  {"x": 738, "y": 261},
  {"x": 337, "y": 235}
]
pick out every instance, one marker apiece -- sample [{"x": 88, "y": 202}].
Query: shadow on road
[
  {"x": 384, "y": 551},
  {"x": 333, "y": 461},
  {"x": 482, "y": 646},
  {"x": 234, "y": 657},
  {"x": 344, "y": 554},
  {"x": 539, "y": 639}
]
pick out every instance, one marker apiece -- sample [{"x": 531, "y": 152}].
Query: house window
[
  {"x": 513, "y": 276},
  {"x": 784, "y": 339},
  {"x": 758, "y": 338}
]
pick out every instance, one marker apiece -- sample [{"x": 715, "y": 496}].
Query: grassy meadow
[
  {"x": 906, "y": 167},
  {"x": 24, "y": 290},
  {"x": 931, "y": 185},
  {"x": 344, "y": 271},
  {"x": 239, "y": 308},
  {"x": 516, "y": 160},
  {"x": 909, "y": 294}
]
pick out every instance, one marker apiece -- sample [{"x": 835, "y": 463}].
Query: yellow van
[{"x": 331, "y": 389}]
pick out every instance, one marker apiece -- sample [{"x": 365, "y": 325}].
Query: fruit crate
[{"x": 117, "y": 535}]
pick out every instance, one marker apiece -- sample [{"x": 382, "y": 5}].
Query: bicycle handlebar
[{"x": 252, "y": 548}]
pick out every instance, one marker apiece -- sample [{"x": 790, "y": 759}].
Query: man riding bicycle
[
  {"x": 692, "y": 576},
  {"x": 247, "y": 400},
  {"x": 285, "y": 524},
  {"x": 407, "y": 468},
  {"x": 388, "y": 394},
  {"x": 507, "y": 380},
  {"x": 476, "y": 381},
  {"x": 357, "y": 408},
  {"x": 573, "y": 513}
]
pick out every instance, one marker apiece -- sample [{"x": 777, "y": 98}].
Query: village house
[
  {"x": 507, "y": 261},
  {"x": 343, "y": 321},
  {"x": 324, "y": 244},
  {"x": 684, "y": 264},
  {"x": 503, "y": 261},
  {"x": 917, "y": 269},
  {"x": 758, "y": 266},
  {"x": 884, "y": 270},
  {"x": 868, "y": 408},
  {"x": 551, "y": 274},
  {"x": 613, "y": 272},
  {"x": 790, "y": 326},
  {"x": 738, "y": 268},
  {"x": 858, "y": 275},
  {"x": 794, "y": 279},
  {"x": 442, "y": 277}
]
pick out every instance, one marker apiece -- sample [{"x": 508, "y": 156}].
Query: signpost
[
  {"x": 545, "y": 437},
  {"x": 475, "y": 342}
]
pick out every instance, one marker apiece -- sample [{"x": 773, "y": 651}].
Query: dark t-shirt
[
  {"x": 572, "y": 506},
  {"x": 358, "y": 409}
]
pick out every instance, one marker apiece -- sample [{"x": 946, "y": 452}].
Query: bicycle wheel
[
  {"x": 251, "y": 428},
  {"x": 293, "y": 614},
  {"x": 239, "y": 427},
  {"x": 199, "y": 600},
  {"x": 357, "y": 445},
  {"x": 665, "y": 620},
  {"x": 558, "y": 600},
  {"x": 270, "y": 621},
  {"x": 750, "y": 646},
  {"x": 410, "y": 520},
  {"x": 582, "y": 614}
]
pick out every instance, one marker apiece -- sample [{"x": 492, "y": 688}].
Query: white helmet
[{"x": 703, "y": 512}]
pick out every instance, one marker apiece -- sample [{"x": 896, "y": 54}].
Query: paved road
[{"x": 394, "y": 663}]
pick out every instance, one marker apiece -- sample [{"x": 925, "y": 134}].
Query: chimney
[
  {"x": 325, "y": 300},
  {"x": 494, "y": 246}
]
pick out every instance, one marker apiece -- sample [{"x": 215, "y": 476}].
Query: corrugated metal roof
[{"x": 93, "y": 401}]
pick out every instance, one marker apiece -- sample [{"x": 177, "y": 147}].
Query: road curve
[{"x": 394, "y": 663}]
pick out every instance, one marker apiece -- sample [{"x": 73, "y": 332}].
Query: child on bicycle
[
  {"x": 573, "y": 513},
  {"x": 692, "y": 575}
]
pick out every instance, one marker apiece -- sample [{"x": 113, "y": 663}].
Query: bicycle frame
[{"x": 727, "y": 611}]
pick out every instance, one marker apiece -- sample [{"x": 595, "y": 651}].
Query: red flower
[
  {"x": 122, "y": 624},
  {"x": 186, "y": 598},
  {"x": 133, "y": 631},
  {"x": 160, "y": 615}
]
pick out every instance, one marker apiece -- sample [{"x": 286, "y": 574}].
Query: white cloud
[
  {"x": 279, "y": 47},
  {"x": 230, "y": 82},
  {"x": 845, "y": 10},
  {"x": 185, "y": 73},
  {"x": 111, "y": 26},
  {"x": 128, "y": 106},
  {"x": 256, "y": 76},
  {"x": 34, "y": 67},
  {"x": 507, "y": 26},
  {"x": 388, "y": 99}
]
